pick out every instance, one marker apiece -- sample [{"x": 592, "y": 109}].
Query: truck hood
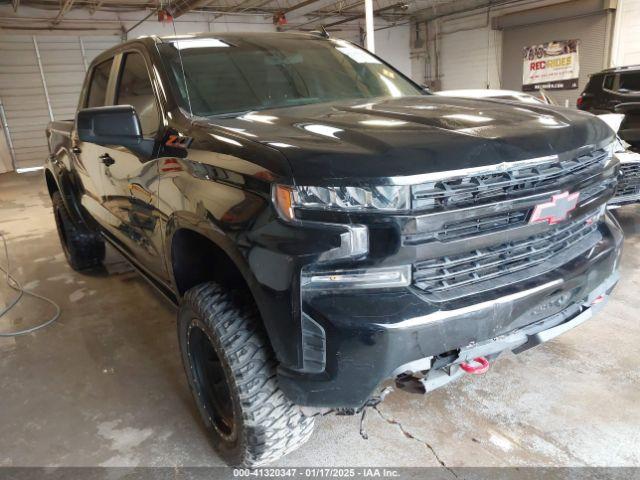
[{"x": 398, "y": 137}]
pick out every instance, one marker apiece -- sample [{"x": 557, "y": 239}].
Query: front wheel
[{"x": 232, "y": 374}]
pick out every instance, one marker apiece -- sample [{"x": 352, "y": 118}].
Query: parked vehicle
[
  {"x": 610, "y": 87},
  {"x": 510, "y": 95},
  {"x": 324, "y": 225}
]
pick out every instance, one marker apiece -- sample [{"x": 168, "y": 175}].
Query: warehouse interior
[{"x": 103, "y": 386}]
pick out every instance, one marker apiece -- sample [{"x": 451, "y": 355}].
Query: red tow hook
[{"x": 481, "y": 367}]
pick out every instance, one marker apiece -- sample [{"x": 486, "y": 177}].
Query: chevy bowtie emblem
[{"x": 556, "y": 210}]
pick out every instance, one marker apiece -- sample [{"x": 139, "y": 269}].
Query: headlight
[{"x": 350, "y": 199}]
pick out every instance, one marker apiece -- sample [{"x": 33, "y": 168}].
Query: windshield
[{"x": 244, "y": 74}]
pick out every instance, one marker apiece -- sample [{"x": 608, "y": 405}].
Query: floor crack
[{"x": 411, "y": 436}]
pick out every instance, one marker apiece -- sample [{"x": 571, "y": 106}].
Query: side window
[
  {"x": 98, "y": 85},
  {"x": 135, "y": 89},
  {"x": 629, "y": 82},
  {"x": 608, "y": 82}
]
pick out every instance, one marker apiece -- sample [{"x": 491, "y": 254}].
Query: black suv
[
  {"x": 609, "y": 88},
  {"x": 323, "y": 224}
]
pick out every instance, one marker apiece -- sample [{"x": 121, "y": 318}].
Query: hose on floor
[{"x": 15, "y": 285}]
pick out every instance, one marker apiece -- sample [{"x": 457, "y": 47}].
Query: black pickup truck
[{"x": 324, "y": 224}]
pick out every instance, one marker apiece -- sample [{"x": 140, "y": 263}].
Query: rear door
[
  {"x": 608, "y": 99},
  {"x": 130, "y": 180},
  {"x": 622, "y": 87}
]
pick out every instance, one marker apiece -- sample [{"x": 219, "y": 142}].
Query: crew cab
[{"x": 323, "y": 224}]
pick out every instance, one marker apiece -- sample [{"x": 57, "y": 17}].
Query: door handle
[
  {"x": 76, "y": 150},
  {"x": 106, "y": 159}
]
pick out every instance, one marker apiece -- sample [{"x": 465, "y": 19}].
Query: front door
[
  {"x": 85, "y": 155},
  {"x": 129, "y": 179}
]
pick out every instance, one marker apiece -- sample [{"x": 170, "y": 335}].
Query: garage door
[
  {"x": 590, "y": 30},
  {"x": 40, "y": 80},
  {"x": 463, "y": 57}
]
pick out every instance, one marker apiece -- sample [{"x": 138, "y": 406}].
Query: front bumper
[
  {"x": 517, "y": 341},
  {"x": 366, "y": 337}
]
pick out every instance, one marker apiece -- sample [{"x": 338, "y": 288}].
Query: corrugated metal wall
[
  {"x": 463, "y": 57},
  {"x": 590, "y": 30},
  {"x": 462, "y": 52},
  {"x": 472, "y": 50},
  {"x": 25, "y": 81}
]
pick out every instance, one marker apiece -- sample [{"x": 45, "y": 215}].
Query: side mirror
[{"x": 114, "y": 125}]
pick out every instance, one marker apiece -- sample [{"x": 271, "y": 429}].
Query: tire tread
[
  {"x": 273, "y": 426},
  {"x": 84, "y": 249}
]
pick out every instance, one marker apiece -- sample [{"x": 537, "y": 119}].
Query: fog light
[{"x": 385, "y": 277}]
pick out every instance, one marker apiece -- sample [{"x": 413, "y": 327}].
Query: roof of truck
[
  {"x": 222, "y": 36},
  {"x": 235, "y": 35}
]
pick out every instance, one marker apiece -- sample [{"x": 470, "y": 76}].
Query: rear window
[
  {"x": 98, "y": 86},
  {"x": 629, "y": 82}
]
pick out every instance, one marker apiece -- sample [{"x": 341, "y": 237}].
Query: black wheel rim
[{"x": 211, "y": 381}]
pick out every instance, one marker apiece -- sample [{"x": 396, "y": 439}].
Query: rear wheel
[
  {"x": 232, "y": 374},
  {"x": 83, "y": 248}
]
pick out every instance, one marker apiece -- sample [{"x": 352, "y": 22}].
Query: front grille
[
  {"x": 514, "y": 181},
  {"x": 444, "y": 274},
  {"x": 630, "y": 183},
  {"x": 482, "y": 225},
  {"x": 456, "y": 230}
]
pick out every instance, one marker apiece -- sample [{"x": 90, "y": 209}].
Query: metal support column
[
  {"x": 44, "y": 80},
  {"x": 368, "y": 14},
  {"x": 7, "y": 134},
  {"x": 83, "y": 53}
]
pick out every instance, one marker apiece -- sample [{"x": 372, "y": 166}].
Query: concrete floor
[{"x": 104, "y": 386}]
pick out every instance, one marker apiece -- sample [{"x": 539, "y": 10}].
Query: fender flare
[
  {"x": 207, "y": 229},
  {"x": 68, "y": 190}
]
